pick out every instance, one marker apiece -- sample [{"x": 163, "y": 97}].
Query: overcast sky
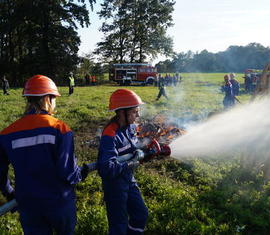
[{"x": 213, "y": 25}]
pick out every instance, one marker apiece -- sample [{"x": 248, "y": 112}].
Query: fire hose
[{"x": 151, "y": 150}]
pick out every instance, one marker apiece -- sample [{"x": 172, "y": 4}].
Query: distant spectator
[
  {"x": 254, "y": 81},
  {"x": 174, "y": 80},
  {"x": 248, "y": 82},
  {"x": 87, "y": 79},
  {"x": 93, "y": 80},
  {"x": 71, "y": 83},
  {"x": 5, "y": 85}
]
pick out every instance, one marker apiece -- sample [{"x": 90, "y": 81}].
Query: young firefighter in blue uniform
[
  {"x": 162, "y": 91},
  {"x": 126, "y": 211},
  {"x": 235, "y": 84},
  {"x": 40, "y": 148},
  {"x": 229, "y": 99}
]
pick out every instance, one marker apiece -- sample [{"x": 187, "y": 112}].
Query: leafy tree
[
  {"x": 204, "y": 61},
  {"x": 164, "y": 66},
  {"x": 238, "y": 58},
  {"x": 40, "y": 36},
  {"x": 88, "y": 65},
  {"x": 135, "y": 29}
]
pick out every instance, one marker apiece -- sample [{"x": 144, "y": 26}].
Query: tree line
[
  {"x": 234, "y": 59},
  {"x": 40, "y": 37}
]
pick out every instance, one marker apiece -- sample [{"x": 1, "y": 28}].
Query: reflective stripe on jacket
[
  {"x": 41, "y": 151},
  {"x": 115, "y": 142}
]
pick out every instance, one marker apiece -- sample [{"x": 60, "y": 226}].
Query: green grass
[{"x": 210, "y": 196}]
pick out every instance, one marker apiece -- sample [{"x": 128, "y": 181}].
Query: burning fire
[{"x": 159, "y": 128}]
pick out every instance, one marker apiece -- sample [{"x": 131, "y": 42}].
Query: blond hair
[{"x": 39, "y": 104}]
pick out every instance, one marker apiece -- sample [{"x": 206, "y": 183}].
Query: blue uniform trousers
[
  {"x": 127, "y": 214},
  {"x": 43, "y": 221}
]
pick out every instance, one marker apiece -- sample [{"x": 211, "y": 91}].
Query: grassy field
[{"x": 210, "y": 196}]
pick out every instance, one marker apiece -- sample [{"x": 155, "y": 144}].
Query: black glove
[
  {"x": 134, "y": 162},
  {"x": 84, "y": 171},
  {"x": 10, "y": 196}
]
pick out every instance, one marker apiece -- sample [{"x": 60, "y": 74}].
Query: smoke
[
  {"x": 176, "y": 95},
  {"x": 244, "y": 130}
]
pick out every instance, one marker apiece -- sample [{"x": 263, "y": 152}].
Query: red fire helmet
[
  {"x": 124, "y": 98},
  {"x": 40, "y": 85}
]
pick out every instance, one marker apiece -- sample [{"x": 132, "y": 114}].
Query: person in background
[
  {"x": 87, "y": 79},
  {"x": 71, "y": 83},
  {"x": 93, "y": 80},
  {"x": 5, "y": 85},
  {"x": 235, "y": 84},
  {"x": 254, "y": 81},
  {"x": 126, "y": 210},
  {"x": 248, "y": 82},
  {"x": 40, "y": 149},
  {"x": 159, "y": 79},
  {"x": 162, "y": 91},
  {"x": 229, "y": 99}
]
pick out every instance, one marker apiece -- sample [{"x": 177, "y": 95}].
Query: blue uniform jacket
[
  {"x": 229, "y": 96},
  {"x": 228, "y": 90},
  {"x": 41, "y": 151},
  {"x": 116, "y": 141}
]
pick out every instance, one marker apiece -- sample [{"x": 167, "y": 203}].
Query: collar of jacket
[{"x": 33, "y": 111}]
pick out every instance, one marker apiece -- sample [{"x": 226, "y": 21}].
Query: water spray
[{"x": 244, "y": 128}]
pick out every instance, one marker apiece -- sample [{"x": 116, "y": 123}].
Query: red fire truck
[{"x": 133, "y": 73}]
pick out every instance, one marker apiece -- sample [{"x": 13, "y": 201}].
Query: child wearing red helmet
[
  {"x": 40, "y": 148},
  {"x": 126, "y": 210}
]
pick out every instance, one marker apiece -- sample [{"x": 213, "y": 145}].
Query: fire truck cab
[{"x": 133, "y": 73}]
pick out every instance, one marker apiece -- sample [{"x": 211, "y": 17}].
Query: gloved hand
[
  {"x": 134, "y": 162},
  {"x": 84, "y": 171},
  {"x": 10, "y": 196}
]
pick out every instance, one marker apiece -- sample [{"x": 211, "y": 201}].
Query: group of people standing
[
  {"x": 40, "y": 149},
  {"x": 251, "y": 81},
  {"x": 231, "y": 88},
  {"x": 90, "y": 80},
  {"x": 169, "y": 80}
]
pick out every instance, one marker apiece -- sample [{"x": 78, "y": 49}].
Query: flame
[{"x": 159, "y": 128}]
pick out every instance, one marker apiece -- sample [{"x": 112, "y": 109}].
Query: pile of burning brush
[{"x": 159, "y": 128}]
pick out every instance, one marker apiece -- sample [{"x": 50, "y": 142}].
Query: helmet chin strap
[
  {"x": 123, "y": 118},
  {"x": 126, "y": 116}
]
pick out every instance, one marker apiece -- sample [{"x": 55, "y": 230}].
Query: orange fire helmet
[
  {"x": 40, "y": 85},
  {"x": 124, "y": 98}
]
